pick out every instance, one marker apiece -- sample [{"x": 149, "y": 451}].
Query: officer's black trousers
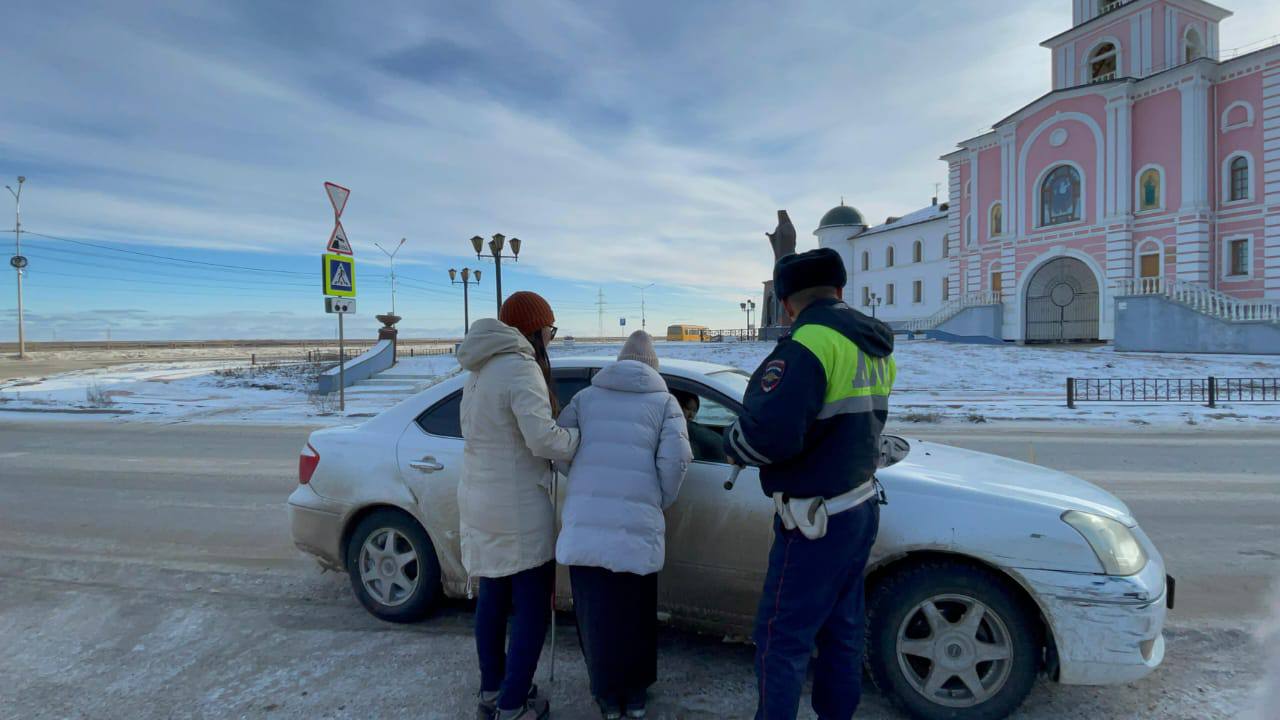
[{"x": 813, "y": 597}]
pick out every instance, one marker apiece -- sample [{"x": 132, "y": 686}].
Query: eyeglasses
[{"x": 554, "y": 330}]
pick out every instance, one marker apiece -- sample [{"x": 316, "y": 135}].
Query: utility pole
[
  {"x": 643, "y": 322},
  {"x": 18, "y": 261},
  {"x": 392, "y": 256},
  {"x": 600, "y": 313}
]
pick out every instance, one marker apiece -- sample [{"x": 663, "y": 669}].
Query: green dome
[{"x": 841, "y": 215}]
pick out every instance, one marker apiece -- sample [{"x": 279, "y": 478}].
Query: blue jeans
[
  {"x": 526, "y": 598},
  {"x": 813, "y": 597}
]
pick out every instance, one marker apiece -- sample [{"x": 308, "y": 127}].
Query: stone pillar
[
  {"x": 1194, "y": 251},
  {"x": 388, "y": 332},
  {"x": 1270, "y": 119}
]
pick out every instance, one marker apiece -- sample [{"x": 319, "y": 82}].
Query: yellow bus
[{"x": 685, "y": 333}]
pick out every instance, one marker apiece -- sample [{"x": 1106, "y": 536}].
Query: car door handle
[{"x": 427, "y": 464}]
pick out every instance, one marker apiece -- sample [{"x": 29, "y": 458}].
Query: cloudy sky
[{"x": 625, "y": 143}]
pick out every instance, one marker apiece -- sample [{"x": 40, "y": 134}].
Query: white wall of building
[{"x": 930, "y": 272}]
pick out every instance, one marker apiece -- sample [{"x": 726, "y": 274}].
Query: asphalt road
[{"x": 146, "y": 571}]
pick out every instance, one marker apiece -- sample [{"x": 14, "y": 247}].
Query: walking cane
[{"x": 555, "y": 505}]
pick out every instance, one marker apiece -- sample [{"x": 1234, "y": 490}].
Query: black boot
[
  {"x": 609, "y": 710},
  {"x": 635, "y": 703}
]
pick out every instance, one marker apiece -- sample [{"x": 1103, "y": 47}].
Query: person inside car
[{"x": 708, "y": 444}]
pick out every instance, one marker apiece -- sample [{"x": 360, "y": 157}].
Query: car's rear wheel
[
  {"x": 393, "y": 567},
  {"x": 952, "y": 641}
]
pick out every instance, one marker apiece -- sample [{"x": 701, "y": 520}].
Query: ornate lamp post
[
  {"x": 873, "y": 302},
  {"x": 466, "y": 282},
  {"x": 495, "y": 251},
  {"x": 751, "y": 310}
]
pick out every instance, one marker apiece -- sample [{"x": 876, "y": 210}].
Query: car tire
[
  {"x": 927, "y": 661},
  {"x": 399, "y": 583}
]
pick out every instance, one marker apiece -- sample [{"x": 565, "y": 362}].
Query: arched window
[
  {"x": 1060, "y": 196},
  {"x": 1103, "y": 63},
  {"x": 1239, "y": 179},
  {"x": 1150, "y": 196},
  {"x": 888, "y": 256},
  {"x": 917, "y": 252},
  {"x": 1194, "y": 48},
  {"x": 866, "y": 260},
  {"x": 996, "y": 221}
]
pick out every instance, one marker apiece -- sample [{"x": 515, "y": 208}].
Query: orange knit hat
[{"x": 527, "y": 312}]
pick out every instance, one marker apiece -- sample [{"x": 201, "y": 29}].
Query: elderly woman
[{"x": 632, "y": 460}]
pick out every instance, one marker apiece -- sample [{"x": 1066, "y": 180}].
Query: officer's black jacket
[{"x": 815, "y": 408}]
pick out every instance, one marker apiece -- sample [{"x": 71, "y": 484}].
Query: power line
[{"x": 167, "y": 257}]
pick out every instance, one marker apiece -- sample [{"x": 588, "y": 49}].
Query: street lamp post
[
  {"x": 495, "y": 251},
  {"x": 642, "y": 288},
  {"x": 873, "y": 301},
  {"x": 466, "y": 282},
  {"x": 18, "y": 261},
  {"x": 392, "y": 256},
  {"x": 751, "y": 309},
  {"x": 746, "y": 311}
]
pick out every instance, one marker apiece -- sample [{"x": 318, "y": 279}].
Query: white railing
[
  {"x": 1105, "y": 77},
  {"x": 1202, "y": 299},
  {"x": 1109, "y": 6},
  {"x": 951, "y": 308}
]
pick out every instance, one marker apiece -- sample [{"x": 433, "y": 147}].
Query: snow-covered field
[{"x": 937, "y": 383}]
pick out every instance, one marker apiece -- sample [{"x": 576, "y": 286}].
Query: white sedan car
[{"x": 986, "y": 572}]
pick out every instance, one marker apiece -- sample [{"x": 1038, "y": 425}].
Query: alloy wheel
[
  {"x": 389, "y": 567},
  {"x": 954, "y": 650}
]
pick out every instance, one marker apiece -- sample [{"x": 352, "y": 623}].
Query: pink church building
[{"x": 1150, "y": 168}]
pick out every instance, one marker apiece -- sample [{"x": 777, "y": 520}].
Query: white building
[{"x": 903, "y": 263}]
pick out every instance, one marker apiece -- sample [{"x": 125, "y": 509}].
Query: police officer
[{"x": 811, "y": 422}]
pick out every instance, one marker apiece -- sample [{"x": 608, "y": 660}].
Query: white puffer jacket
[
  {"x": 504, "y": 509},
  {"x": 632, "y": 461}
]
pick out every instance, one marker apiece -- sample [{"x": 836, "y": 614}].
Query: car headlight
[{"x": 1114, "y": 544}]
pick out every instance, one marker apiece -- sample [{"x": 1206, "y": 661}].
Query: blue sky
[{"x": 625, "y": 143}]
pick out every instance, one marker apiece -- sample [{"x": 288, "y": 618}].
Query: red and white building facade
[{"x": 1152, "y": 162}]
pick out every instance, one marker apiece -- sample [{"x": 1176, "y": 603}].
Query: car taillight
[{"x": 307, "y": 463}]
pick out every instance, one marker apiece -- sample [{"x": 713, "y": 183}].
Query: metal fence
[
  {"x": 739, "y": 334},
  {"x": 1209, "y": 391}
]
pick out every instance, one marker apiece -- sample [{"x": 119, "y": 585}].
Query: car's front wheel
[
  {"x": 952, "y": 641},
  {"x": 393, "y": 567}
]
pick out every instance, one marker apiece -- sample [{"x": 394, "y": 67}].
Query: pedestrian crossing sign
[{"x": 339, "y": 275}]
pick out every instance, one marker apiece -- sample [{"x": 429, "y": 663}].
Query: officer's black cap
[{"x": 816, "y": 268}]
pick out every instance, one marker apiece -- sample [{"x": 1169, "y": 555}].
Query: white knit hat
[{"x": 640, "y": 347}]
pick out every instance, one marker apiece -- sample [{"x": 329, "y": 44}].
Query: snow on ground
[{"x": 937, "y": 383}]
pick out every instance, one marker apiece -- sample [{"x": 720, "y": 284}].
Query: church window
[
  {"x": 888, "y": 257},
  {"x": 1060, "y": 196},
  {"x": 1194, "y": 47},
  {"x": 1103, "y": 63},
  {"x": 917, "y": 252},
  {"x": 1149, "y": 261},
  {"x": 866, "y": 296},
  {"x": 917, "y": 291},
  {"x": 1149, "y": 190},
  {"x": 997, "y": 280},
  {"x": 946, "y": 289},
  {"x": 888, "y": 294},
  {"x": 1238, "y": 253},
  {"x": 997, "y": 220},
  {"x": 946, "y": 245},
  {"x": 1240, "y": 178},
  {"x": 866, "y": 260}
]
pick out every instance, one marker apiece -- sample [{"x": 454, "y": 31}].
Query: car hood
[{"x": 1002, "y": 480}]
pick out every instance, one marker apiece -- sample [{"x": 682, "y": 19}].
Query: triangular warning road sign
[
  {"x": 337, "y": 197},
  {"x": 338, "y": 241},
  {"x": 341, "y": 280}
]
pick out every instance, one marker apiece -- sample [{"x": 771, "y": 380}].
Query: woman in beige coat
[{"x": 506, "y": 515}]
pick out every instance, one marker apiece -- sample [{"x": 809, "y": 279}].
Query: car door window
[
  {"x": 445, "y": 417},
  {"x": 714, "y": 416}
]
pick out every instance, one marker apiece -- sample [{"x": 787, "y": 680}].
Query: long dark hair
[{"x": 544, "y": 362}]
